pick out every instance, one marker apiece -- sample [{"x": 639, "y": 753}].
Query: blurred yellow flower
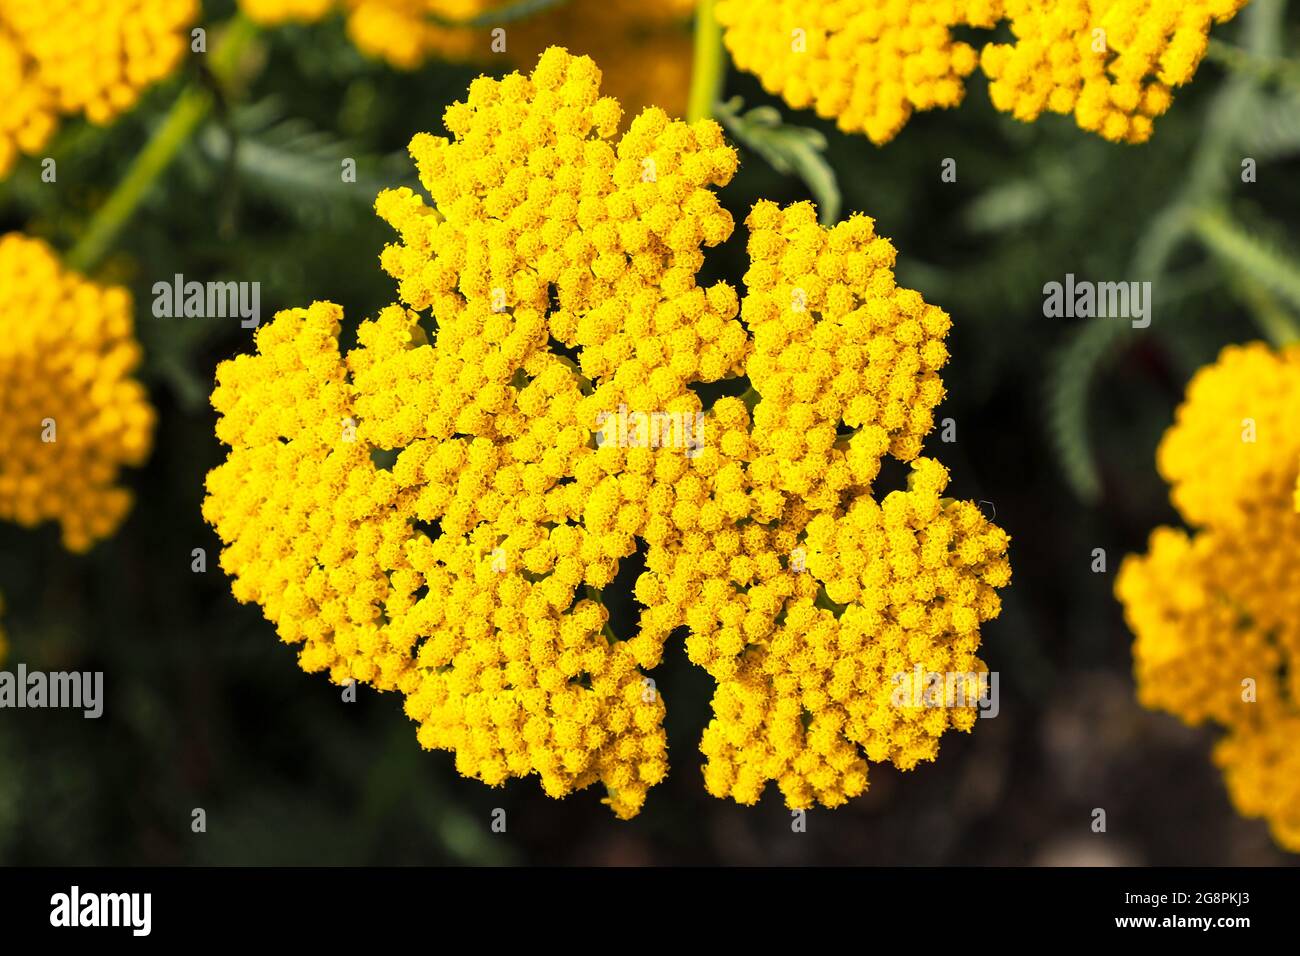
[
  {"x": 870, "y": 64},
  {"x": 1216, "y": 612},
  {"x": 70, "y": 414},
  {"x": 1261, "y": 767},
  {"x": 81, "y": 57},
  {"x": 438, "y": 510},
  {"x": 643, "y": 49}
]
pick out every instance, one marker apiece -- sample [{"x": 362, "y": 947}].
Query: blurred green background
[{"x": 1057, "y": 422}]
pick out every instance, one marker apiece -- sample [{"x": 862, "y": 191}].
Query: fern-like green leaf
[
  {"x": 1076, "y": 365},
  {"x": 1070, "y": 375},
  {"x": 791, "y": 150},
  {"x": 294, "y": 165},
  {"x": 1264, "y": 261}
]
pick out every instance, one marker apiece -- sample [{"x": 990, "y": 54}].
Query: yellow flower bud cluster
[
  {"x": 1216, "y": 612},
  {"x": 1112, "y": 63},
  {"x": 70, "y": 414},
  {"x": 835, "y": 340},
  {"x": 870, "y": 65},
  {"x": 644, "y": 49},
  {"x": 86, "y": 57},
  {"x": 437, "y": 511},
  {"x": 803, "y": 692}
]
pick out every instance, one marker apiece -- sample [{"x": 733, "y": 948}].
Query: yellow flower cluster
[
  {"x": 70, "y": 414},
  {"x": 87, "y": 57},
  {"x": 644, "y": 49},
  {"x": 803, "y": 691},
  {"x": 868, "y": 64},
  {"x": 1235, "y": 443},
  {"x": 406, "y": 33},
  {"x": 1216, "y": 612},
  {"x": 437, "y": 511},
  {"x": 1262, "y": 770},
  {"x": 1112, "y": 63},
  {"x": 835, "y": 340}
]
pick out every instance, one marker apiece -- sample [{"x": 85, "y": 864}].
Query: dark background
[{"x": 1057, "y": 423}]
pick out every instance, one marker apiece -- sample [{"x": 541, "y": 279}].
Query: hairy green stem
[
  {"x": 186, "y": 115},
  {"x": 709, "y": 67},
  {"x": 1277, "y": 324},
  {"x": 1271, "y": 269},
  {"x": 1265, "y": 68}
]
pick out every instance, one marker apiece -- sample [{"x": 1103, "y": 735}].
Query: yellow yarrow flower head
[
  {"x": 87, "y": 57},
  {"x": 1112, "y": 63},
  {"x": 870, "y": 65},
  {"x": 1216, "y": 613},
  {"x": 540, "y": 420},
  {"x": 96, "y": 57},
  {"x": 499, "y": 506},
  {"x": 867, "y": 64},
  {"x": 71, "y": 415}
]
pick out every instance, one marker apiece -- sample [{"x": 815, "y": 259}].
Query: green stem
[
  {"x": 1278, "y": 325},
  {"x": 186, "y": 115},
  {"x": 1278, "y": 69},
  {"x": 1271, "y": 268},
  {"x": 710, "y": 64}
]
